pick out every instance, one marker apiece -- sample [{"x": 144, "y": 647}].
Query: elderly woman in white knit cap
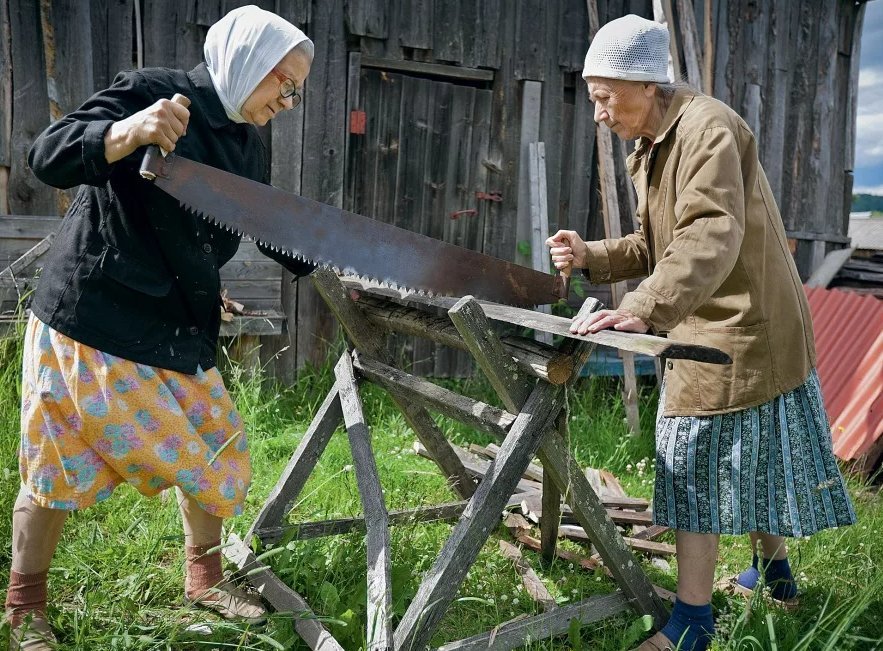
[
  {"x": 119, "y": 379},
  {"x": 740, "y": 448}
]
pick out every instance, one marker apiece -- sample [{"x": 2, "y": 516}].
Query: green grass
[{"x": 116, "y": 581}]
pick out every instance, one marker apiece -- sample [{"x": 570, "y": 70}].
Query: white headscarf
[{"x": 242, "y": 48}]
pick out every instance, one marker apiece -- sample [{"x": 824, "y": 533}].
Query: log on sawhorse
[{"x": 530, "y": 424}]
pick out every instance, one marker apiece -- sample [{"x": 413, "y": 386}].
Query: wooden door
[{"x": 417, "y": 158}]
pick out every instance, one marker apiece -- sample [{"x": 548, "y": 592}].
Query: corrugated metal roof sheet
[
  {"x": 849, "y": 341},
  {"x": 866, "y": 233}
]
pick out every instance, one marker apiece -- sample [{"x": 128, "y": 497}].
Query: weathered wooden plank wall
[
  {"x": 279, "y": 355},
  {"x": 113, "y": 25},
  {"x": 787, "y": 66},
  {"x": 5, "y": 106},
  {"x": 30, "y": 108},
  {"x": 440, "y": 151}
]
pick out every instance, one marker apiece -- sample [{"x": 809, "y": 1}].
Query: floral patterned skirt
[
  {"x": 90, "y": 421},
  {"x": 769, "y": 468}
]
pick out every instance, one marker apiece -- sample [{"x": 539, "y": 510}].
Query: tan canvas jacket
[{"x": 719, "y": 270}]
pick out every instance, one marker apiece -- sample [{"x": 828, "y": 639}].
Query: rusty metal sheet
[{"x": 849, "y": 344}]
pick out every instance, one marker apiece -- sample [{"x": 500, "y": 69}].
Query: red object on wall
[{"x": 358, "y": 122}]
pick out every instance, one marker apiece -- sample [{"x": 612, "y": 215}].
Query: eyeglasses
[{"x": 287, "y": 88}]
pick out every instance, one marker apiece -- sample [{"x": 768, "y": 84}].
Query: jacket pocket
[
  {"x": 700, "y": 388},
  {"x": 123, "y": 298},
  {"x": 134, "y": 273}
]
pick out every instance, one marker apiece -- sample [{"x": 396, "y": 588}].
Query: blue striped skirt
[{"x": 769, "y": 468}]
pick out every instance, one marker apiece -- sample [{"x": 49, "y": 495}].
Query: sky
[{"x": 869, "y": 126}]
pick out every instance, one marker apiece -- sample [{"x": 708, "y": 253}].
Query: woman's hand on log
[{"x": 621, "y": 320}]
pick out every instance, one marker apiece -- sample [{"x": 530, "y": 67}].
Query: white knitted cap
[{"x": 631, "y": 48}]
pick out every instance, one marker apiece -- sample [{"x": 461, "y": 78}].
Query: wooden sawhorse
[{"x": 534, "y": 406}]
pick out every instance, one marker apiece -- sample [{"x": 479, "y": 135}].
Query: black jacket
[{"x": 130, "y": 272}]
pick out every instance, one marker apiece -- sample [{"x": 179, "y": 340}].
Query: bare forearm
[{"x": 118, "y": 142}]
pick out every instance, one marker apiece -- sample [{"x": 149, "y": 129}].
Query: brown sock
[
  {"x": 26, "y": 594},
  {"x": 203, "y": 569}
]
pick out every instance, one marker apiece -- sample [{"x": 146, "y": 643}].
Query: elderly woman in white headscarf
[
  {"x": 119, "y": 378},
  {"x": 740, "y": 448}
]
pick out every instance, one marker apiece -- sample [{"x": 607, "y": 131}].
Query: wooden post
[
  {"x": 531, "y": 100},
  {"x": 550, "y": 519},
  {"x": 459, "y": 552},
  {"x": 613, "y": 229},
  {"x": 323, "y": 164},
  {"x": 532, "y": 583},
  {"x": 481, "y": 416},
  {"x": 5, "y": 106},
  {"x": 518, "y": 632},
  {"x": 539, "y": 210},
  {"x": 689, "y": 33},
  {"x": 668, "y": 12},
  {"x": 30, "y": 109},
  {"x": 279, "y": 595},
  {"x": 448, "y": 512},
  {"x": 301, "y": 464},
  {"x": 376, "y": 519},
  {"x": 708, "y": 53},
  {"x": 287, "y": 138},
  {"x": 354, "y": 139},
  {"x": 366, "y": 339},
  {"x": 536, "y": 359},
  {"x": 558, "y": 462},
  {"x": 113, "y": 26},
  {"x": 539, "y": 220}
]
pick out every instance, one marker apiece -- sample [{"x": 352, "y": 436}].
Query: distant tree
[{"x": 863, "y": 202}]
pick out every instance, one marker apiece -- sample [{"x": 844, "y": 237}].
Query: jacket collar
[
  {"x": 210, "y": 105},
  {"x": 679, "y": 104}
]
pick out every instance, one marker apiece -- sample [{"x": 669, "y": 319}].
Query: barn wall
[{"x": 451, "y": 92}]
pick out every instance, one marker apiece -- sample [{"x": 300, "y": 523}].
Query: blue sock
[
  {"x": 691, "y": 627},
  {"x": 777, "y": 575},
  {"x": 750, "y": 577}
]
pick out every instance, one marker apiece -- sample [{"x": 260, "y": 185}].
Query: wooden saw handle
[
  {"x": 151, "y": 165},
  {"x": 563, "y": 287},
  {"x": 178, "y": 98}
]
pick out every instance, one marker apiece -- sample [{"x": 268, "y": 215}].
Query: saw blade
[{"x": 346, "y": 242}]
